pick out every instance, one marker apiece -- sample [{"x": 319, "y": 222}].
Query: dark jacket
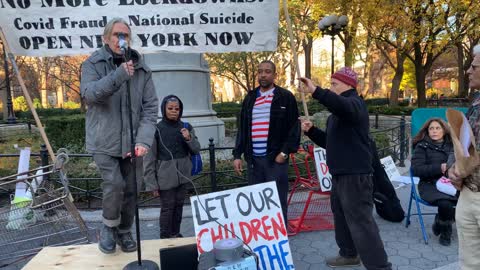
[
  {"x": 426, "y": 163},
  {"x": 346, "y": 138},
  {"x": 284, "y": 129},
  {"x": 104, "y": 89},
  {"x": 168, "y": 163}
]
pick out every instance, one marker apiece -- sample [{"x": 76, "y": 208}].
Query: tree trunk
[
  {"x": 419, "y": 75},
  {"x": 397, "y": 78},
  {"x": 363, "y": 88},
  {"x": 348, "y": 50},
  {"x": 307, "y": 48},
  {"x": 462, "y": 77},
  {"x": 366, "y": 73},
  {"x": 420, "y": 82}
]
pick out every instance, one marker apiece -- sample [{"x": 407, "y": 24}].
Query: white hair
[{"x": 476, "y": 49}]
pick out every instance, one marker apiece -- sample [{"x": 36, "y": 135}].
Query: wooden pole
[
  {"x": 27, "y": 95},
  {"x": 295, "y": 56}
]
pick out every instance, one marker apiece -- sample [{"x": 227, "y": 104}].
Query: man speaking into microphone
[{"x": 105, "y": 76}]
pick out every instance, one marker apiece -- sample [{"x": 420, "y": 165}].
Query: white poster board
[
  {"x": 21, "y": 189},
  {"x": 390, "y": 168},
  {"x": 393, "y": 173},
  {"x": 72, "y": 27},
  {"x": 323, "y": 174},
  {"x": 252, "y": 213}
]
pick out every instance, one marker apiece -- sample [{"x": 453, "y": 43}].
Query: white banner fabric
[{"x": 73, "y": 27}]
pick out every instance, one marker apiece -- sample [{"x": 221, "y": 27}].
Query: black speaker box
[{"x": 179, "y": 258}]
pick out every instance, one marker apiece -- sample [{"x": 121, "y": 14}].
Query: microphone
[{"x": 122, "y": 43}]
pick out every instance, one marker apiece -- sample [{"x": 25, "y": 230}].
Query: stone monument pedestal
[{"x": 188, "y": 77}]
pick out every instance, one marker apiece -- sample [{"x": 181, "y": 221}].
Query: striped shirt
[{"x": 261, "y": 122}]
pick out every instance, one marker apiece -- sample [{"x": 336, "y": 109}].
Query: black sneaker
[
  {"x": 107, "y": 244},
  {"x": 446, "y": 234},
  {"x": 445, "y": 240},
  {"x": 126, "y": 242}
]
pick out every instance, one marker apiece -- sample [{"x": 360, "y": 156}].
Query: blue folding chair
[
  {"x": 419, "y": 117},
  {"x": 415, "y": 197}
]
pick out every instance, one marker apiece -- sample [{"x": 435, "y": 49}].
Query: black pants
[
  {"x": 262, "y": 170},
  {"x": 356, "y": 232},
  {"x": 171, "y": 211},
  {"x": 446, "y": 212}
]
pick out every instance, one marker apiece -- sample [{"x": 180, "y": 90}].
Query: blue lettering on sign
[{"x": 273, "y": 255}]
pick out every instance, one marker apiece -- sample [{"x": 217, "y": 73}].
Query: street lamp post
[
  {"x": 10, "y": 113},
  {"x": 333, "y": 25}
]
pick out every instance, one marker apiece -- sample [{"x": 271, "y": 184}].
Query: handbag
[
  {"x": 197, "y": 164},
  {"x": 466, "y": 156}
]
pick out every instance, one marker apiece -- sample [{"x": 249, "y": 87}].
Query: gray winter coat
[
  {"x": 168, "y": 164},
  {"x": 166, "y": 169},
  {"x": 104, "y": 89}
]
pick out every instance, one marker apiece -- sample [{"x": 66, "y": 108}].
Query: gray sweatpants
[{"x": 118, "y": 187}]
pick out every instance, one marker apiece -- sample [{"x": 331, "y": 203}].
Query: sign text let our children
[{"x": 253, "y": 214}]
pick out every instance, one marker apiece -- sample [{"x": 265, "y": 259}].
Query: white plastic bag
[{"x": 444, "y": 185}]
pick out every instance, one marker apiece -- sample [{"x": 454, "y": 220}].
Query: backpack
[
  {"x": 197, "y": 164},
  {"x": 385, "y": 198}
]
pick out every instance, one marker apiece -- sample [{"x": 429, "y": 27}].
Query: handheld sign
[
  {"x": 323, "y": 174},
  {"x": 252, "y": 213}
]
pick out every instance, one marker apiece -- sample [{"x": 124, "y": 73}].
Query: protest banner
[
  {"x": 72, "y": 27},
  {"x": 252, "y": 213},
  {"x": 324, "y": 176}
]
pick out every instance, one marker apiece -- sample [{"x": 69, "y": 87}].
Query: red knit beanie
[{"x": 347, "y": 76}]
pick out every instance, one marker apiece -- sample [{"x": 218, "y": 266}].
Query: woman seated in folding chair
[{"x": 429, "y": 162}]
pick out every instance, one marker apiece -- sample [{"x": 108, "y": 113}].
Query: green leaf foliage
[{"x": 66, "y": 132}]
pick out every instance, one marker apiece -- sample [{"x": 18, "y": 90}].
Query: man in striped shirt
[{"x": 269, "y": 131}]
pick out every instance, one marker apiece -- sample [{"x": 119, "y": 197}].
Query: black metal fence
[
  {"x": 398, "y": 141},
  {"x": 217, "y": 174}
]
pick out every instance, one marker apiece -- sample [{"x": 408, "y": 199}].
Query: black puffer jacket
[{"x": 427, "y": 162}]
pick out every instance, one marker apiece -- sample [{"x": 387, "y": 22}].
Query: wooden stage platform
[{"x": 88, "y": 257}]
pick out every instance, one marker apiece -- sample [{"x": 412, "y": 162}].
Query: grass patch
[{"x": 9, "y": 165}]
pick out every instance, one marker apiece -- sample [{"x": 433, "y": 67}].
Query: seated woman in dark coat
[{"x": 429, "y": 162}]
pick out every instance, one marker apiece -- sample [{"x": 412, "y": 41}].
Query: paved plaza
[{"x": 405, "y": 246}]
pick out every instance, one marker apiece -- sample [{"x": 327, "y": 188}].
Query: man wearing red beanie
[{"x": 346, "y": 140}]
